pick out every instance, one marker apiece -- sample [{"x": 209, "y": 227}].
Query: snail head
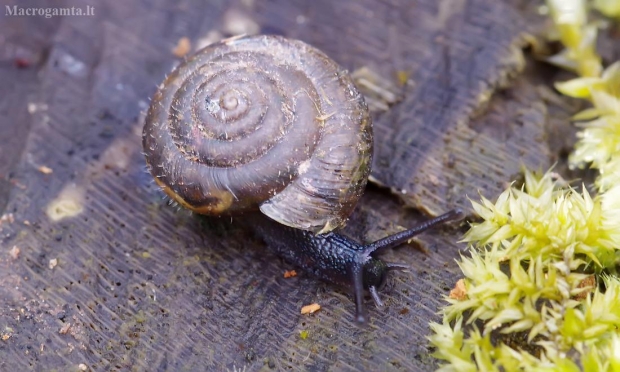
[{"x": 371, "y": 273}]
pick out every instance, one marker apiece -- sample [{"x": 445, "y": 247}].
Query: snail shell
[{"x": 261, "y": 122}]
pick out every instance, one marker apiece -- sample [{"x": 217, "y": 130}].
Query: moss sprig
[
  {"x": 570, "y": 18},
  {"x": 533, "y": 279},
  {"x": 570, "y": 335},
  {"x": 539, "y": 290},
  {"x": 541, "y": 219},
  {"x": 599, "y": 141}
]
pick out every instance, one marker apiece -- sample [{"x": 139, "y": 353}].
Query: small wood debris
[
  {"x": 309, "y": 309},
  {"x": 21, "y": 62},
  {"x": 45, "y": 170},
  {"x": 7, "y": 217},
  {"x": 290, "y": 273},
  {"x": 6, "y": 336},
  {"x": 459, "y": 292},
  {"x": 14, "y": 252},
  {"x": 64, "y": 329},
  {"x": 69, "y": 203},
  {"x": 588, "y": 284},
  {"x": 16, "y": 183},
  {"x": 380, "y": 93},
  {"x": 184, "y": 46},
  {"x": 53, "y": 263}
]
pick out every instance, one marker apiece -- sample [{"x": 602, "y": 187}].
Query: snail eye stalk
[{"x": 403, "y": 236}]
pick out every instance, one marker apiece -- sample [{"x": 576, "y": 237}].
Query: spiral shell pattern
[{"x": 261, "y": 122}]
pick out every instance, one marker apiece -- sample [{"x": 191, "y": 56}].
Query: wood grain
[{"x": 141, "y": 286}]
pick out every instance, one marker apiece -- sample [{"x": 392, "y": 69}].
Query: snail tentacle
[{"x": 403, "y": 236}]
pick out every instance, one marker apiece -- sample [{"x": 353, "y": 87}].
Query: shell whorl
[{"x": 261, "y": 121}]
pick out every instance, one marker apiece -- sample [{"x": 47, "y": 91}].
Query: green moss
[{"x": 535, "y": 295}]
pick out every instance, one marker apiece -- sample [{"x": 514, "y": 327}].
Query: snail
[{"x": 273, "y": 124}]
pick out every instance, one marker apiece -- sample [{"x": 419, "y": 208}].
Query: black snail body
[{"x": 268, "y": 123}]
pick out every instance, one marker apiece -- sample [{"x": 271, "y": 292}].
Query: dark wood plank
[{"x": 143, "y": 286}]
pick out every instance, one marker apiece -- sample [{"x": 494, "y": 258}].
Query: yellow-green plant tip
[
  {"x": 565, "y": 365},
  {"x": 611, "y": 75},
  {"x": 563, "y": 60},
  {"x": 568, "y": 12},
  {"x": 610, "y": 202},
  {"x": 579, "y": 88},
  {"x": 587, "y": 114},
  {"x": 573, "y": 324},
  {"x": 613, "y": 352},
  {"x": 591, "y": 360},
  {"x": 519, "y": 326},
  {"x": 607, "y": 103},
  {"x": 610, "y": 8},
  {"x": 609, "y": 174}
]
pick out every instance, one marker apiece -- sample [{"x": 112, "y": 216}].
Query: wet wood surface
[{"x": 126, "y": 282}]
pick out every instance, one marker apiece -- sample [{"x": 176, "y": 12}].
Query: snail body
[
  {"x": 269, "y": 123},
  {"x": 337, "y": 259}
]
